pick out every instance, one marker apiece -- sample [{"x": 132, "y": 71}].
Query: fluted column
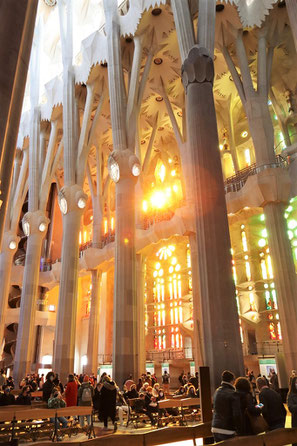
[
  {"x": 284, "y": 278},
  {"x": 9, "y": 247},
  {"x": 221, "y": 338},
  {"x": 92, "y": 351},
  {"x": 292, "y": 13},
  {"x": 15, "y": 49},
  {"x": 69, "y": 202},
  {"x": 141, "y": 353},
  {"x": 35, "y": 227}
]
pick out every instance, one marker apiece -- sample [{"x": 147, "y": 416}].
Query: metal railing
[
  {"x": 236, "y": 182},
  {"x": 269, "y": 347},
  {"x": 168, "y": 354}
]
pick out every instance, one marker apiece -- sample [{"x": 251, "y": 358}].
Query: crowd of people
[
  {"x": 236, "y": 410},
  {"x": 241, "y": 406}
]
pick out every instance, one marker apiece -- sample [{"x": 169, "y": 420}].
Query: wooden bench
[
  {"x": 25, "y": 422},
  {"x": 185, "y": 405},
  {"x": 136, "y": 417}
]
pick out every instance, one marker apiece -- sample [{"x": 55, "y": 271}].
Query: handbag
[{"x": 258, "y": 423}]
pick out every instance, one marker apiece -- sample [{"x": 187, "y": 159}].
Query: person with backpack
[{"x": 85, "y": 396}]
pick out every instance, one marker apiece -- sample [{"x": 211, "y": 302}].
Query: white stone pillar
[
  {"x": 35, "y": 226},
  {"x": 93, "y": 336},
  {"x": 70, "y": 200}
]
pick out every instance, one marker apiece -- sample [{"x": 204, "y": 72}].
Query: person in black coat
[
  {"x": 6, "y": 398},
  {"x": 24, "y": 398},
  {"x": 226, "y": 415},
  {"x": 247, "y": 404},
  {"x": 292, "y": 402},
  {"x": 108, "y": 402},
  {"x": 273, "y": 409},
  {"x": 48, "y": 386},
  {"x": 97, "y": 402}
]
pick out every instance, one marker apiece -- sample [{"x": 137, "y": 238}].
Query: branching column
[
  {"x": 69, "y": 197},
  {"x": 92, "y": 352},
  {"x": 221, "y": 338},
  {"x": 35, "y": 226}
]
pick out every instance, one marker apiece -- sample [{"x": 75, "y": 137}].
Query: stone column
[
  {"x": 9, "y": 247},
  {"x": 69, "y": 202},
  {"x": 125, "y": 322},
  {"x": 292, "y": 13},
  {"x": 141, "y": 352},
  {"x": 221, "y": 338},
  {"x": 92, "y": 351},
  {"x": 35, "y": 227},
  {"x": 285, "y": 279},
  {"x": 15, "y": 48}
]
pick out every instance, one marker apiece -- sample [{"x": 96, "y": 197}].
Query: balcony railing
[
  {"x": 166, "y": 355},
  {"x": 236, "y": 182},
  {"x": 269, "y": 347}
]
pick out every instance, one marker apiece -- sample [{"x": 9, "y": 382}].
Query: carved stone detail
[{"x": 197, "y": 67}]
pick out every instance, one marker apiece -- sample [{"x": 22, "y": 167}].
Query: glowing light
[
  {"x": 42, "y": 227},
  {"x": 221, "y": 146},
  {"x": 173, "y": 173},
  {"x": 177, "y": 268},
  {"x": 79, "y": 238},
  {"x": 81, "y": 203},
  {"x": 158, "y": 199},
  {"x": 248, "y": 270},
  {"x": 244, "y": 241},
  {"x": 112, "y": 223},
  {"x": 51, "y": 308},
  {"x": 144, "y": 206},
  {"x": 269, "y": 264},
  {"x": 84, "y": 360},
  {"x": 47, "y": 359},
  {"x": 290, "y": 235},
  {"x": 171, "y": 269},
  {"x": 247, "y": 156},
  {"x": 264, "y": 233},
  {"x": 292, "y": 224},
  {"x": 105, "y": 225},
  {"x": 126, "y": 241},
  {"x": 170, "y": 161},
  {"x": 161, "y": 272},
  {"x": 12, "y": 244},
  {"x": 175, "y": 188},
  {"x": 262, "y": 242},
  {"x": 262, "y": 217},
  {"x": 136, "y": 170},
  {"x": 160, "y": 171},
  {"x": 244, "y": 134},
  {"x": 158, "y": 265},
  {"x": 263, "y": 269}
]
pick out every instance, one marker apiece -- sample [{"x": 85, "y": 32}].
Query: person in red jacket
[{"x": 71, "y": 392}]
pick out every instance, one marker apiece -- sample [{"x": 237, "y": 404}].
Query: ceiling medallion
[{"x": 50, "y": 2}]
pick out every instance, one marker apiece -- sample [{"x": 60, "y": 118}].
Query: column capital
[
  {"x": 35, "y": 223},
  {"x": 198, "y": 66},
  {"x": 72, "y": 198},
  {"x": 123, "y": 164},
  {"x": 10, "y": 242}
]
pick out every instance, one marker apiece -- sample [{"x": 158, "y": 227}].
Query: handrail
[{"x": 236, "y": 182}]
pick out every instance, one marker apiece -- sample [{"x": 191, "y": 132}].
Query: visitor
[
  {"x": 132, "y": 393},
  {"x": 10, "y": 382},
  {"x": 6, "y": 398},
  {"x": 97, "y": 405},
  {"x": 24, "y": 398},
  {"x": 166, "y": 381},
  {"x": 48, "y": 386},
  {"x": 85, "y": 397},
  {"x": 144, "y": 389},
  {"x": 194, "y": 380},
  {"x": 121, "y": 406},
  {"x": 151, "y": 404},
  {"x": 139, "y": 385},
  {"x": 2, "y": 379},
  {"x": 128, "y": 382},
  {"x": 273, "y": 409},
  {"x": 274, "y": 381},
  {"x": 56, "y": 401},
  {"x": 108, "y": 401},
  {"x": 71, "y": 392},
  {"x": 58, "y": 383},
  {"x": 154, "y": 379},
  {"x": 226, "y": 415},
  {"x": 180, "y": 391},
  {"x": 180, "y": 378},
  {"x": 248, "y": 405},
  {"x": 191, "y": 392},
  {"x": 292, "y": 402},
  {"x": 161, "y": 394},
  {"x": 156, "y": 389}
]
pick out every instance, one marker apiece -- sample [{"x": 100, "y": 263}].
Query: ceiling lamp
[
  {"x": 50, "y": 2},
  {"x": 244, "y": 134},
  {"x": 159, "y": 99},
  {"x": 158, "y": 61},
  {"x": 12, "y": 244}
]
